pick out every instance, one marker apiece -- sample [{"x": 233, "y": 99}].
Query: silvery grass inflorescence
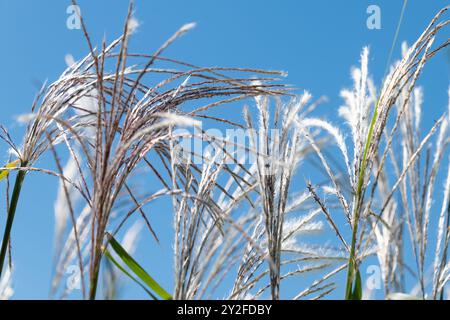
[
  {"x": 133, "y": 120},
  {"x": 109, "y": 123},
  {"x": 368, "y": 165},
  {"x": 119, "y": 117}
]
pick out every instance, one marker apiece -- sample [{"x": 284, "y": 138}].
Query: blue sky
[{"x": 316, "y": 42}]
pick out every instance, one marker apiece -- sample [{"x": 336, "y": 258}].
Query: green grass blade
[
  {"x": 117, "y": 264},
  {"x": 4, "y": 173},
  {"x": 11, "y": 213},
  {"x": 138, "y": 270},
  {"x": 359, "y": 192},
  {"x": 357, "y": 290}
]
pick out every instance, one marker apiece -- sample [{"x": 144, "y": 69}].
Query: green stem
[
  {"x": 352, "y": 264},
  {"x": 11, "y": 213},
  {"x": 93, "y": 283}
]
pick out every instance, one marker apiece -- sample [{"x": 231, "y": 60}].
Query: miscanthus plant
[{"x": 242, "y": 229}]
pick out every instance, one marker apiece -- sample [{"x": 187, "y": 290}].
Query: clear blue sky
[{"x": 315, "y": 41}]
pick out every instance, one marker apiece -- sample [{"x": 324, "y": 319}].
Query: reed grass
[{"x": 238, "y": 225}]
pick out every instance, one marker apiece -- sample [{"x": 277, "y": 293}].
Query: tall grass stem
[
  {"x": 352, "y": 263},
  {"x": 11, "y": 214}
]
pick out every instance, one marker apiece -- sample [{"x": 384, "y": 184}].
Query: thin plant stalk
[
  {"x": 11, "y": 213},
  {"x": 352, "y": 263},
  {"x": 94, "y": 282}
]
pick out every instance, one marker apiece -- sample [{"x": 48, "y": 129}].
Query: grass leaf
[
  {"x": 138, "y": 270},
  {"x": 357, "y": 290},
  {"x": 117, "y": 264},
  {"x": 4, "y": 173}
]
